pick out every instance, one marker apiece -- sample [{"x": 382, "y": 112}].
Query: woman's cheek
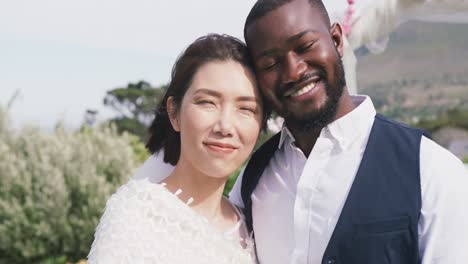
[
  {"x": 200, "y": 118},
  {"x": 250, "y": 130}
]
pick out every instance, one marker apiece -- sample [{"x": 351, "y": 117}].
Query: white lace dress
[{"x": 145, "y": 223}]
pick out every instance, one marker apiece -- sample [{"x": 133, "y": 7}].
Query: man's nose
[{"x": 294, "y": 68}]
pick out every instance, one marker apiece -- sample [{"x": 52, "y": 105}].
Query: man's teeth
[{"x": 304, "y": 90}]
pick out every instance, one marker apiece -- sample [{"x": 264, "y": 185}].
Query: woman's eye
[
  {"x": 249, "y": 110},
  {"x": 205, "y": 102}
]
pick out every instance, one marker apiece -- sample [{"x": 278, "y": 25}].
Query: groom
[{"x": 340, "y": 183}]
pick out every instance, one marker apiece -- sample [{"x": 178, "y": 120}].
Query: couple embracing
[{"x": 338, "y": 184}]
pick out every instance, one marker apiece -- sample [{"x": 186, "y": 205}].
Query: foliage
[
  {"x": 135, "y": 106},
  {"x": 454, "y": 117},
  {"x": 53, "y": 188},
  {"x": 139, "y": 149}
]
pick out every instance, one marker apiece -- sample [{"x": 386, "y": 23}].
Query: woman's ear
[{"x": 172, "y": 113}]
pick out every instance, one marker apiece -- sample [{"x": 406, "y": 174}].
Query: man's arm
[{"x": 443, "y": 225}]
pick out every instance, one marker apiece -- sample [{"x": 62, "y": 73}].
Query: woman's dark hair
[{"x": 212, "y": 47}]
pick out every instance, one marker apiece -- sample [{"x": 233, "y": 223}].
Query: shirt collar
[
  {"x": 285, "y": 135},
  {"x": 345, "y": 129}
]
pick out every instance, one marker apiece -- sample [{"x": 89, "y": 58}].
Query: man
[{"x": 340, "y": 184}]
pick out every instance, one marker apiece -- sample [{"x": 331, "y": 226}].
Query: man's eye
[
  {"x": 269, "y": 66},
  {"x": 305, "y": 47}
]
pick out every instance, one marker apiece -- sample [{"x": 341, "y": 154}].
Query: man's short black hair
[{"x": 263, "y": 7}]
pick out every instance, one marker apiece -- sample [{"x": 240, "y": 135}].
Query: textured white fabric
[
  {"x": 145, "y": 223},
  {"x": 298, "y": 200}
]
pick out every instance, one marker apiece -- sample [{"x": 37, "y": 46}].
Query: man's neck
[{"x": 305, "y": 140}]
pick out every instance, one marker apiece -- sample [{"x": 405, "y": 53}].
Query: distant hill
[{"x": 423, "y": 71}]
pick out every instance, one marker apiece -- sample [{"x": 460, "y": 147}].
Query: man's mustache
[{"x": 283, "y": 87}]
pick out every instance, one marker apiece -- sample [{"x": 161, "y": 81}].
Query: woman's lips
[{"x": 220, "y": 147}]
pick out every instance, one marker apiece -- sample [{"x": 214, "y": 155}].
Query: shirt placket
[{"x": 306, "y": 221}]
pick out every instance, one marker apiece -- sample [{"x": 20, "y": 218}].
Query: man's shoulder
[
  {"x": 271, "y": 144},
  {"x": 392, "y": 122},
  {"x": 389, "y": 123},
  {"x": 257, "y": 163},
  {"x": 262, "y": 155},
  {"x": 439, "y": 159}
]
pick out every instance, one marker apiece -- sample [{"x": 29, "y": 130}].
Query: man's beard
[{"x": 326, "y": 114}]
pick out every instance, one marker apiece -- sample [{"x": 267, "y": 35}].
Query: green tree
[
  {"x": 134, "y": 106},
  {"x": 456, "y": 117}
]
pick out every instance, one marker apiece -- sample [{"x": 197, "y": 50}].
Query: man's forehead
[
  {"x": 293, "y": 13},
  {"x": 282, "y": 24}
]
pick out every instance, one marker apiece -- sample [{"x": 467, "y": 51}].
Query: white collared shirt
[{"x": 298, "y": 200}]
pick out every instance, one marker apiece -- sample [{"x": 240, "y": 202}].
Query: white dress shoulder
[{"x": 145, "y": 223}]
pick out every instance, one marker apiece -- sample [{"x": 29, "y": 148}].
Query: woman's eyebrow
[
  {"x": 248, "y": 99},
  {"x": 207, "y": 91},
  {"x": 217, "y": 94}
]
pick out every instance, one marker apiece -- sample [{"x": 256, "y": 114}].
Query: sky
[{"x": 62, "y": 56}]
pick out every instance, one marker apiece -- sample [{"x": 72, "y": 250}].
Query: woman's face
[{"x": 219, "y": 118}]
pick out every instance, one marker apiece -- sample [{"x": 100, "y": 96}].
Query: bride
[{"x": 206, "y": 125}]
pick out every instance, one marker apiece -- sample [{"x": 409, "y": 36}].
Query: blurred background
[{"x": 79, "y": 81}]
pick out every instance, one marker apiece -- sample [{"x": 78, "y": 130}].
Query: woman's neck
[{"x": 206, "y": 191}]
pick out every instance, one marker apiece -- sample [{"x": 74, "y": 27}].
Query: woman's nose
[{"x": 225, "y": 123}]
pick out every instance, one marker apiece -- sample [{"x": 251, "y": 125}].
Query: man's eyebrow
[
  {"x": 300, "y": 35},
  {"x": 271, "y": 52},
  {"x": 266, "y": 53}
]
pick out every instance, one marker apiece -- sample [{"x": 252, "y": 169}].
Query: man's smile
[
  {"x": 303, "y": 87},
  {"x": 302, "y": 91}
]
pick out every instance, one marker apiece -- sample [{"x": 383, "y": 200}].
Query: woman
[{"x": 206, "y": 125}]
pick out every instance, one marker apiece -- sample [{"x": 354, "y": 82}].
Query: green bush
[{"x": 53, "y": 188}]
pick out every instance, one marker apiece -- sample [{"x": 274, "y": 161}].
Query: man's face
[{"x": 298, "y": 64}]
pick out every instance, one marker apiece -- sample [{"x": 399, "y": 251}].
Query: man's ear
[
  {"x": 172, "y": 113},
  {"x": 336, "y": 32}
]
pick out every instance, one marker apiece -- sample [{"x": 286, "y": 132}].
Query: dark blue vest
[{"x": 379, "y": 221}]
